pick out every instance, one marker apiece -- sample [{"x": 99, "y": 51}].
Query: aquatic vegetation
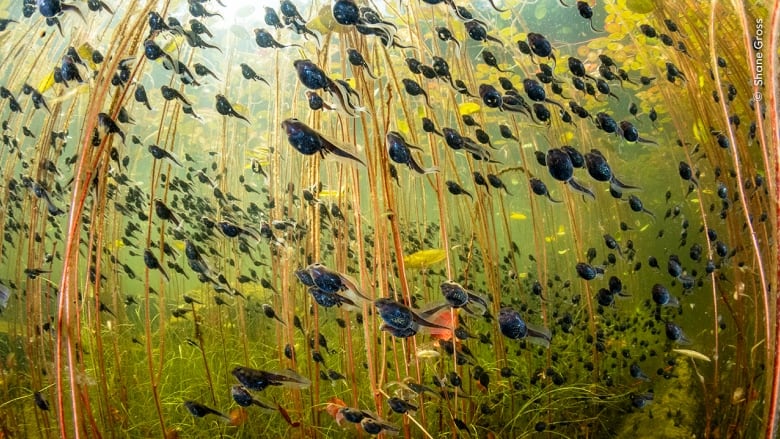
[{"x": 283, "y": 220}]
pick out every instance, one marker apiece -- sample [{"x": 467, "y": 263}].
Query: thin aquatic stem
[
  {"x": 773, "y": 71},
  {"x": 737, "y": 169},
  {"x": 69, "y": 292},
  {"x": 96, "y": 242}
]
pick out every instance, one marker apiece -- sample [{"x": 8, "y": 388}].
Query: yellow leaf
[
  {"x": 518, "y": 216},
  {"x": 328, "y": 193},
  {"x": 640, "y": 6},
  {"x": 85, "y": 52},
  {"x": 563, "y": 252},
  {"x": 561, "y": 231},
  {"x": 425, "y": 258},
  {"x": 324, "y": 21},
  {"x": 173, "y": 44},
  {"x": 47, "y": 82},
  {"x": 468, "y": 108}
]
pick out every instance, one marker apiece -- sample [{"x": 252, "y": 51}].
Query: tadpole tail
[{"x": 580, "y": 188}]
